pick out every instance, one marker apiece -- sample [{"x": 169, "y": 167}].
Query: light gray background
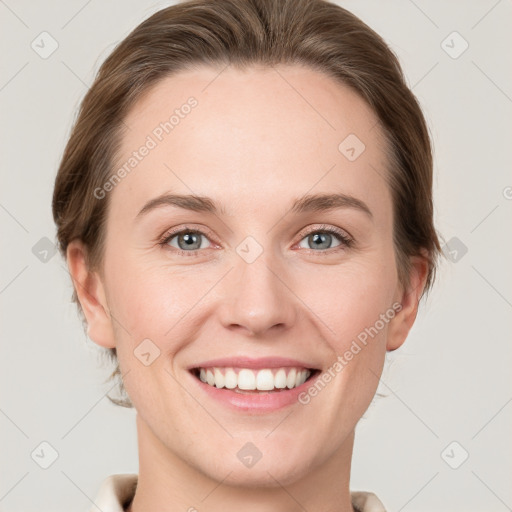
[{"x": 449, "y": 382}]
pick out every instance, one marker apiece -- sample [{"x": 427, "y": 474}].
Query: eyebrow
[{"x": 307, "y": 203}]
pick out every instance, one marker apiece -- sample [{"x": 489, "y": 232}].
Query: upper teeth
[{"x": 262, "y": 380}]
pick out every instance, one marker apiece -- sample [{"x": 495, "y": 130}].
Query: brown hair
[{"x": 315, "y": 33}]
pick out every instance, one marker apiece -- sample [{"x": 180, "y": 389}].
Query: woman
[{"x": 245, "y": 206}]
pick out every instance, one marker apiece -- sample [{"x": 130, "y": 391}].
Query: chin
[
  {"x": 270, "y": 475},
  {"x": 258, "y": 461}
]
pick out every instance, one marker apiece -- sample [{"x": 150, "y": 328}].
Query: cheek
[
  {"x": 348, "y": 299},
  {"x": 153, "y": 311},
  {"x": 353, "y": 306},
  {"x": 149, "y": 300}
]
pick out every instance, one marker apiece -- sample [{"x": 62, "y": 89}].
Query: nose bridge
[{"x": 256, "y": 298}]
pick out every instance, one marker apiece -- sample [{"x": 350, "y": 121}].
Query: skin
[{"x": 253, "y": 144}]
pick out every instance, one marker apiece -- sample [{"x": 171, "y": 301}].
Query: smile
[{"x": 245, "y": 379}]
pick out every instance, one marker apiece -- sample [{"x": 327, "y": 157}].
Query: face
[{"x": 262, "y": 283}]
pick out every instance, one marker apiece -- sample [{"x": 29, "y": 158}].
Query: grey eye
[
  {"x": 319, "y": 240},
  {"x": 188, "y": 240}
]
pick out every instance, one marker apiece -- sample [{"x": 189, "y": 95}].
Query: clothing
[{"x": 117, "y": 491}]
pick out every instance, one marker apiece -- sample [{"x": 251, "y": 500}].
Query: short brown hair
[{"x": 315, "y": 33}]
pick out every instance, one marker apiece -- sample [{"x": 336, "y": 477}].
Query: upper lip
[{"x": 249, "y": 362}]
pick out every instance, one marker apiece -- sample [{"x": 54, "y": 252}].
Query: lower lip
[{"x": 257, "y": 402}]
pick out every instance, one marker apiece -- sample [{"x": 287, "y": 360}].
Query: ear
[
  {"x": 409, "y": 298},
  {"x": 91, "y": 294}
]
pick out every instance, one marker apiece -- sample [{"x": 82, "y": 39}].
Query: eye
[
  {"x": 186, "y": 241},
  {"x": 189, "y": 242},
  {"x": 323, "y": 238}
]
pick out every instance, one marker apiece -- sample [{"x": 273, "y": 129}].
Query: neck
[{"x": 169, "y": 484}]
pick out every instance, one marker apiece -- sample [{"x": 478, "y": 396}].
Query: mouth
[{"x": 254, "y": 381}]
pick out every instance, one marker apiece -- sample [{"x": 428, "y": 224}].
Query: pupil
[
  {"x": 324, "y": 240},
  {"x": 189, "y": 239}
]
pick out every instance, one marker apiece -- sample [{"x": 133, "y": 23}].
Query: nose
[{"x": 256, "y": 298}]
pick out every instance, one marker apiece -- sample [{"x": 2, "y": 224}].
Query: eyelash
[{"x": 346, "y": 241}]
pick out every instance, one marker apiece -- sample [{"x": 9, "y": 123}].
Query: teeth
[
  {"x": 280, "y": 379},
  {"x": 246, "y": 380},
  {"x": 265, "y": 380},
  {"x": 291, "y": 380},
  {"x": 230, "y": 379},
  {"x": 251, "y": 380},
  {"x": 219, "y": 378}
]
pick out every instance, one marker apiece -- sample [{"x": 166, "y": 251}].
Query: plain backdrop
[{"x": 448, "y": 388}]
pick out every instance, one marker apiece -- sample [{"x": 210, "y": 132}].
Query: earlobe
[
  {"x": 409, "y": 299},
  {"x": 91, "y": 294}
]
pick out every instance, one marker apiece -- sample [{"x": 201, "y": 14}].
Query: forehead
[{"x": 250, "y": 137}]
